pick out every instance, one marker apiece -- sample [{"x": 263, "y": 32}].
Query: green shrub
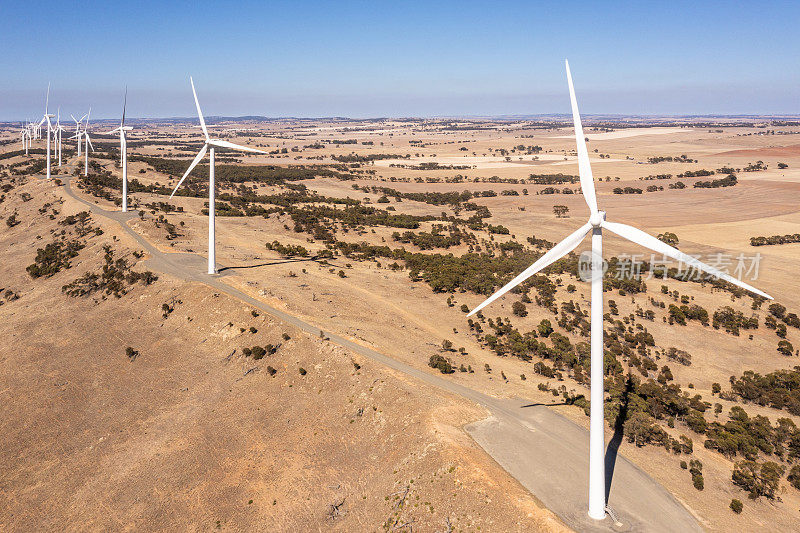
[
  {"x": 444, "y": 366},
  {"x": 258, "y": 352}
]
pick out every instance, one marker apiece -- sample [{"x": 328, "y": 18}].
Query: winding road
[{"x": 544, "y": 451}]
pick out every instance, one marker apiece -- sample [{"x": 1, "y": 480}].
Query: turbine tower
[
  {"x": 24, "y": 138},
  {"x": 27, "y": 138},
  {"x": 123, "y": 147},
  {"x": 88, "y": 145},
  {"x": 209, "y": 147},
  {"x": 46, "y": 118},
  {"x": 597, "y": 222},
  {"x": 57, "y": 131}
]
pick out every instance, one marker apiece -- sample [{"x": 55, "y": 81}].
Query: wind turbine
[
  {"x": 597, "y": 222},
  {"x": 58, "y": 130},
  {"x": 209, "y": 147},
  {"x": 87, "y": 145},
  {"x": 28, "y": 136},
  {"x": 24, "y": 138},
  {"x": 46, "y": 117},
  {"x": 78, "y": 131},
  {"x": 123, "y": 147}
]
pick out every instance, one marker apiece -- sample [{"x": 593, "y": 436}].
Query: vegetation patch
[{"x": 115, "y": 278}]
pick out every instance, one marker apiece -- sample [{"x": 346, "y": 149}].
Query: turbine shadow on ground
[
  {"x": 616, "y": 439},
  {"x": 279, "y": 262},
  {"x": 543, "y": 404}
]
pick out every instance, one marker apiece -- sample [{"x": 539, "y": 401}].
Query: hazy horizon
[{"x": 588, "y": 118}]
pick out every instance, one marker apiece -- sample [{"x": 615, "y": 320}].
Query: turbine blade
[
  {"x": 226, "y": 144},
  {"x": 648, "y": 241},
  {"x": 199, "y": 113},
  {"x": 554, "y": 254},
  {"x": 89, "y": 140},
  {"x": 584, "y": 169},
  {"x": 47, "y": 99},
  {"x": 196, "y": 160},
  {"x": 124, "y": 105}
]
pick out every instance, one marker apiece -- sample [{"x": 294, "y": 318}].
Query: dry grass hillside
[{"x": 187, "y": 433}]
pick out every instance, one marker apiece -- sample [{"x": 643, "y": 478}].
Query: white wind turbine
[
  {"x": 57, "y": 131},
  {"x": 78, "y": 131},
  {"x": 87, "y": 140},
  {"x": 87, "y": 145},
  {"x": 209, "y": 147},
  {"x": 24, "y": 138},
  {"x": 123, "y": 148},
  {"x": 30, "y": 137},
  {"x": 46, "y": 118},
  {"x": 597, "y": 221}
]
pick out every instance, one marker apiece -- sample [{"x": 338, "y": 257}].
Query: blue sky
[{"x": 367, "y": 59}]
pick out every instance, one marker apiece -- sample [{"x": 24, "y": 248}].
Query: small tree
[
  {"x": 794, "y": 477},
  {"x": 441, "y": 363},
  {"x": 519, "y": 309},
  {"x": 669, "y": 238},
  {"x": 736, "y": 506},
  {"x": 545, "y": 328},
  {"x": 258, "y": 352},
  {"x": 777, "y": 310},
  {"x": 785, "y": 347},
  {"x": 758, "y": 479},
  {"x": 560, "y": 211}
]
